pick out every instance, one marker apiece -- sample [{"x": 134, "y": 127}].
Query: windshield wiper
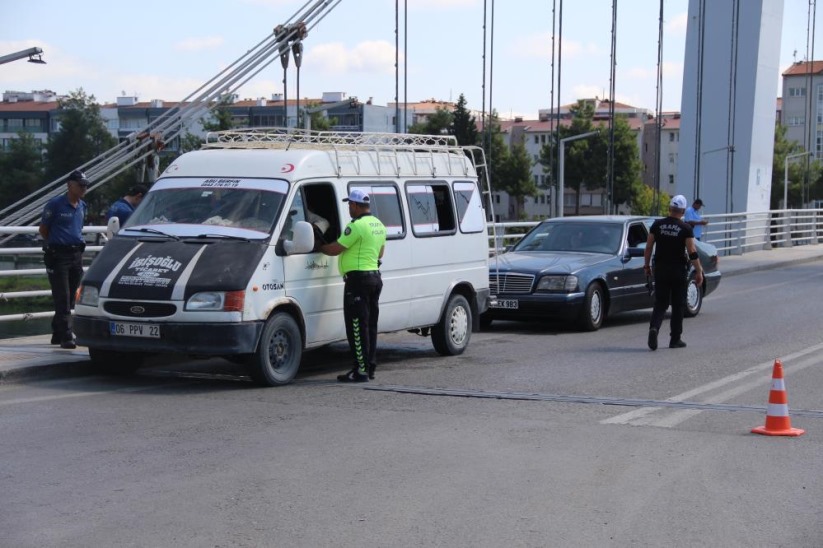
[
  {"x": 154, "y": 231},
  {"x": 223, "y": 236}
]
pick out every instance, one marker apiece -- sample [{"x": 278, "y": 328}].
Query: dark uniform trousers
[
  {"x": 64, "y": 265},
  {"x": 361, "y": 311},
  {"x": 670, "y": 284}
]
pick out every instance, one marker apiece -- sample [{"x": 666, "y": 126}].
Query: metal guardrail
[
  {"x": 732, "y": 234},
  {"x": 92, "y": 234}
]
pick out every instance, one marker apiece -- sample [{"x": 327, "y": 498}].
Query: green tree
[
  {"x": 21, "y": 169},
  {"x": 82, "y": 135},
  {"x": 627, "y": 165},
  {"x": 586, "y": 159},
  {"x": 797, "y": 170},
  {"x": 515, "y": 178},
  {"x": 220, "y": 117},
  {"x": 497, "y": 153},
  {"x": 438, "y": 123},
  {"x": 642, "y": 201},
  {"x": 190, "y": 142},
  {"x": 464, "y": 125}
]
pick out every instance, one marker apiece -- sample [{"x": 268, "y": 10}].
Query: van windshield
[{"x": 246, "y": 208}]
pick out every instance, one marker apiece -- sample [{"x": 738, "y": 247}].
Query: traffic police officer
[
  {"x": 61, "y": 227},
  {"x": 360, "y": 249},
  {"x": 674, "y": 247}
]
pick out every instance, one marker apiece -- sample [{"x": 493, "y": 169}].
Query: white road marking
[{"x": 639, "y": 417}]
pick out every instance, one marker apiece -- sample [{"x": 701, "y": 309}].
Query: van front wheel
[
  {"x": 279, "y": 352},
  {"x": 451, "y": 335}
]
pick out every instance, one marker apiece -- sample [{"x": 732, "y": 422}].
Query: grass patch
[{"x": 24, "y": 304}]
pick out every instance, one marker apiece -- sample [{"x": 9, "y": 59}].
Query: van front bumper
[{"x": 208, "y": 339}]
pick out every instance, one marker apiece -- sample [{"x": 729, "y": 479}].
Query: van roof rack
[{"x": 279, "y": 137}]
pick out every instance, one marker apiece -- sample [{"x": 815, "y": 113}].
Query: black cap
[
  {"x": 699, "y": 202},
  {"x": 78, "y": 176}
]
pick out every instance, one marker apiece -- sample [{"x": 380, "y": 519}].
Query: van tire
[
  {"x": 111, "y": 362},
  {"x": 279, "y": 352},
  {"x": 452, "y": 333}
]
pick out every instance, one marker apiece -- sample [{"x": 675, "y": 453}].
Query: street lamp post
[
  {"x": 560, "y": 169},
  {"x": 30, "y": 53}
]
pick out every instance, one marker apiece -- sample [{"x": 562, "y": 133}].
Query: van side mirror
[
  {"x": 112, "y": 227},
  {"x": 303, "y": 239}
]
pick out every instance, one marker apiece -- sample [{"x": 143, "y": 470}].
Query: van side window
[
  {"x": 321, "y": 209},
  {"x": 385, "y": 205},
  {"x": 469, "y": 206},
  {"x": 431, "y": 209}
]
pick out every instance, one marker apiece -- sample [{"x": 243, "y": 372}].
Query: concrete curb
[
  {"x": 771, "y": 265},
  {"x": 40, "y": 369}
]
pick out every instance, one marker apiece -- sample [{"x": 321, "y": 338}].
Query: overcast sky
[{"x": 167, "y": 49}]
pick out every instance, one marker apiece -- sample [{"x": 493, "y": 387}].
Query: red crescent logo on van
[{"x": 287, "y": 168}]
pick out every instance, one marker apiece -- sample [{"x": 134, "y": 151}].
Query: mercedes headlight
[{"x": 557, "y": 284}]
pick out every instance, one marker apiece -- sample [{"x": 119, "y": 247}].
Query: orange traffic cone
[{"x": 778, "y": 422}]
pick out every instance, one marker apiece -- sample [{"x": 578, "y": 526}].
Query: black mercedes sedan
[{"x": 582, "y": 270}]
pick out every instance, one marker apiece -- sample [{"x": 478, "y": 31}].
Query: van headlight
[
  {"x": 565, "y": 284},
  {"x": 226, "y": 301},
  {"x": 89, "y": 295}
]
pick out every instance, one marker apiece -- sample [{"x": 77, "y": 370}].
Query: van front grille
[{"x": 140, "y": 310}]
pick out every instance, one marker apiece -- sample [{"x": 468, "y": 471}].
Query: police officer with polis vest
[
  {"x": 674, "y": 247},
  {"x": 359, "y": 250},
  {"x": 61, "y": 227}
]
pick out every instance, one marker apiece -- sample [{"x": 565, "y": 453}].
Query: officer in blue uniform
[
  {"x": 125, "y": 206},
  {"x": 61, "y": 227}
]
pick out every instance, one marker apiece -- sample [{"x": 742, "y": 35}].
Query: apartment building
[
  {"x": 669, "y": 140},
  {"x": 535, "y": 134},
  {"x": 38, "y": 113},
  {"x": 802, "y": 105}
]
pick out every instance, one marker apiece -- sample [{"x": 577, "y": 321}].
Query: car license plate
[
  {"x": 510, "y": 304},
  {"x": 124, "y": 329}
]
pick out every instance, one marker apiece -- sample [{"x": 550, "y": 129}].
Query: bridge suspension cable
[{"x": 142, "y": 144}]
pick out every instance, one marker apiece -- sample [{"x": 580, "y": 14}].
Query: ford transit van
[{"x": 219, "y": 259}]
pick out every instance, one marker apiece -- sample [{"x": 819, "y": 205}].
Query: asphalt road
[{"x": 536, "y": 436}]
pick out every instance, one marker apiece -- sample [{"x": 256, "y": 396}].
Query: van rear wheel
[
  {"x": 452, "y": 333},
  {"x": 279, "y": 352}
]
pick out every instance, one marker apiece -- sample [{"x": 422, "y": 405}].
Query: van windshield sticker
[
  {"x": 221, "y": 183},
  {"x": 272, "y": 185}
]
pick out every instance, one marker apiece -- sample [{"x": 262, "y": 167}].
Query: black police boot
[
  {"x": 353, "y": 376},
  {"x": 652, "y": 338},
  {"x": 677, "y": 343}
]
